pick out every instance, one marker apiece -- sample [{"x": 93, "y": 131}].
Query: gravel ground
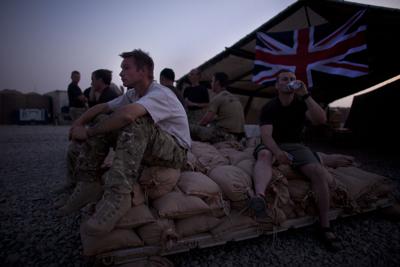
[{"x": 32, "y": 164}]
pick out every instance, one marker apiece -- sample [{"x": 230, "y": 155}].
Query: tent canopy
[
  {"x": 383, "y": 53},
  {"x": 371, "y": 115}
]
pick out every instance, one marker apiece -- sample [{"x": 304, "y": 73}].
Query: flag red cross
[{"x": 307, "y": 54}]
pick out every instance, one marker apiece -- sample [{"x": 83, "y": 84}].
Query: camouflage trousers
[
  {"x": 75, "y": 113},
  {"x": 212, "y": 134},
  {"x": 74, "y": 149},
  {"x": 139, "y": 143}
]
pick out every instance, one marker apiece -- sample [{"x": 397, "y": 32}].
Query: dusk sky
[{"x": 42, "y": 41}]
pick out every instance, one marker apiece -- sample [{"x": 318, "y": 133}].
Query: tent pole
[{"x": 307, "y": 16}]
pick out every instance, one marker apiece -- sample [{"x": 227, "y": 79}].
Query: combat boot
[
  {"x": 108, "y": 212},
  {"x": 84, "y": 193}
]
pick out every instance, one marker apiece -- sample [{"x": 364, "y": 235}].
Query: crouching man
[{"x": 148, "y": 126}]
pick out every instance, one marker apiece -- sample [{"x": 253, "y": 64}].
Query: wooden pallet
[{"x": 208, "y": 240}]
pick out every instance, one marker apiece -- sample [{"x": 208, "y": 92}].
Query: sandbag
[
  {"x": 301, "y": 194},
  {"x": 158, "y": 232},
  {"x": 135, "y": 217},
  {"x": 247, "y": 166},
  {"x": 116, "y": 239},
  {"x": 335, "y": 160},
  {"x": 198, "y": 184},
  {"x": 358, "y": 182},
  {"x": 158, "y": 181},
  {"x": 290, "y": 173},
  {"x": 176, "y": 205},
  {"x": 234, "y": 183},
  {"x": 239, "y": 205},
  {"x": 208, "y": 156},
  {"x": 234, "y": 156},
  {"x": 218, "y": 206},
  {"x": 192, "y": 164},
  {"x": 234, "y": 222},
  {"x": 278, "y": 197},
  {"x": 299, "y": 190},
  {"x": 195, "y": 225},
  {"x": 228, "y": 144}
]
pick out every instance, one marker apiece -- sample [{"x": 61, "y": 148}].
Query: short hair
[
  {"x": 281, "y": 71},
  {"x": 104, "y": 75},
  {"x": 168, "y": 74},
  {"x": 142, "y": 60},
  {"x": 197, "y": 70},
  {"x": 222, "y": 78},
  {"x": 75, "y": 72}
]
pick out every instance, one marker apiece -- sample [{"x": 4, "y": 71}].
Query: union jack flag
[{"x": 312, "y": 49}]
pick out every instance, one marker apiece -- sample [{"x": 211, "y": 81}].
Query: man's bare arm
[
  {"x": 268, "y": 140},
  {"x": 207, "y": 118},
  {"x": 120, "y": 118},
  {"x": 91, "y": 113},
  {"x": 315, "y": 113}
]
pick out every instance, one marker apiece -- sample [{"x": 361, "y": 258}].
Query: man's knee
[{"x": 264, "y": 155}]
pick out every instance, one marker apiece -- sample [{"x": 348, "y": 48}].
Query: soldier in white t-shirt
[{"x": 148, "y": 125}]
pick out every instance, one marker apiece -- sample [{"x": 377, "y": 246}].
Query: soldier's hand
[
  {"x": 188, "y": 102},
  {"x": 283, "y": 158},
  {"x": 302, "y": 90},
  {"x": 79, "y": 133}
]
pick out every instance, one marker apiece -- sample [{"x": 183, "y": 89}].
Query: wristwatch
[{"x": 304, "y": 97}]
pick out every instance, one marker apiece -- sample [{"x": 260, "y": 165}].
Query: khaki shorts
[{"x": 301, "y": 154}]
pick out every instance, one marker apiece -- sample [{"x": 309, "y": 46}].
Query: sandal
[{"x": 329, "y": 239}]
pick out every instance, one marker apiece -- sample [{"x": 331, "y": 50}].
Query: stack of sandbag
[
  {"x": 166, "y": 205},
  {"x": 210, "y": 196},
  {"x": 141, "y": 224},
  {"x": 363, "y": 187},
  {"x": 303, "y": 197},
  {"x": 207, "y": 156}
]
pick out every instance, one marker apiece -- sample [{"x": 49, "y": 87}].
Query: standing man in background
[
  {"x": 76, "y": 98},
  {"x": 167, "y": 78},
  {"x": 196, "y": 97}
]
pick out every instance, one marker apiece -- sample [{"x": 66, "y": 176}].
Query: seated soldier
[
  {"x": 225, "y": 113},
  {"x": 148, "y": 126},
  {"x": 281, "y": 122},
  {"x": 99, "y": 92},
  {"x": 196, "y": 97}
]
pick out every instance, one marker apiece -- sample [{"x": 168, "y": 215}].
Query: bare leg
[
  {"x": 262, "y": 172},
  {"x": 319, "y": 177}
]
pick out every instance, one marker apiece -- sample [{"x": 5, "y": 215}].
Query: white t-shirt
[{"x": 164, "y": 108}]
